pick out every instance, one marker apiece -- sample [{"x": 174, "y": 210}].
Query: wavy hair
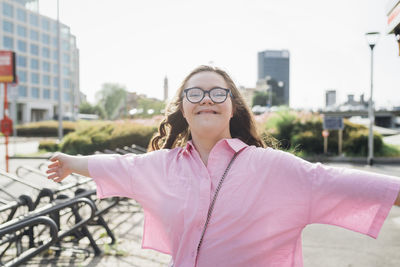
[{"x": 174, "y": 131}]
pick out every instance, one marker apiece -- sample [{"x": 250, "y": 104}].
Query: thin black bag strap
[{"x": 210, "y": 209}]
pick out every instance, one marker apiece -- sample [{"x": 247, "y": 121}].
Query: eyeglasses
[{"x": 217, "y": 95}]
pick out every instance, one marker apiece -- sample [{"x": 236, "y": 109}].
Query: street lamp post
[
  {"x": 60, "y": 91},
  {"x": 372, "y": 38}
]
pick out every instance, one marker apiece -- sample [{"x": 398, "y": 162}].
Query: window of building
[
  {"x": 34, "y": 35},
  {"x": 55, "y": 42},
  {"x": 45, "y": 38},
  {"x": 21, "y": 15},
  {"x": 22, "y": 76},
  {"x": 65, "y": 45},
  {"x": 46, "y": 93},
  {"x": 8, "y": 42},
  {"x": 8, "y": 26},
  {"x": 65, "y": 70},
  {"x": 67, "y": 96},
  {"x": 55, "y": 54},
  {"x": 8, "y": 10},
  {"x": 54, "y": 27},
  {"x": 55, "y": 68},
  {"x": 35, "y": 78},
  {"x": 66, "y": 83},
  {"x": 46, "y": 80},
  {"x": 66, "y": 58},
  {"x": 64, "y": 32},
  {"x": 34, "y": 49},
  {"x": 35, "y": 92},
  {"x": 46, "y": 66},
  {"x": 21, "y": 31},
  {"x": 46, "y": 52},
  {"x": 55, "y": 82},
  {"x": 21, "y": 61},
  {"x": 56, "y": 93},
  {"x": 34, "y": 64},
  {"x": 21, "y": 46},
  {"x": 22, "y": 91},
  {"x": 45, "y": 24},
  {"x": 34, "y": 19}
]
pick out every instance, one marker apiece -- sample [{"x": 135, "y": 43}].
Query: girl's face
[{"x": 207, "y": 118}]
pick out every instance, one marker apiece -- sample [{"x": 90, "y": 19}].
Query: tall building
[
  {"x": 165, "y": 88},
  {"x": 273, "y": 66},
  {"x": 34, "y": 39},
  {"x": 330, "y": 98}
]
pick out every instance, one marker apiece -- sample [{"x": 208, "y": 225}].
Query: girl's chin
[{"x": 208, "y": 129}]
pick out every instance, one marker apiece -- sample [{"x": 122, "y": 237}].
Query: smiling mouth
[{"x": 206, "y": 112}]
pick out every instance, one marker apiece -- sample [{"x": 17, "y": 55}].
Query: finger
[
  {"x": 53, "y": 165},
  {"x": 54, "y": 157},
  {"x": 52, "y": 170},
  {"x": 52, "y": 176}
]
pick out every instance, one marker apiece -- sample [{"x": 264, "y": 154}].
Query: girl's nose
[{"x": 206, "y": 100}]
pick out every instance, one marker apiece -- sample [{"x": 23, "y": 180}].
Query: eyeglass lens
[{"x": 217, "y": 95}]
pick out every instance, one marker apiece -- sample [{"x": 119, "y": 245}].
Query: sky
[{"x": 138, "y": 43}]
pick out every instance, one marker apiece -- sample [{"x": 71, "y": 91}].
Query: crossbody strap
[{"x": 210, "y": 209}]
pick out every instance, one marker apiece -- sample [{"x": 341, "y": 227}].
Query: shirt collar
[{"x": 235, "y": 143}]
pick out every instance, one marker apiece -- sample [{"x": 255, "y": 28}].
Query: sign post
[
  {"x": 333, "y": 123},
  {"x": 7, "y": 75},
  {"x": 325, "y": 134}
]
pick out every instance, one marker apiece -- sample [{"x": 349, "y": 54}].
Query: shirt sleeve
[
  {"x": 350, "y": 198},
  {"x": 133, "y": 176},
  {"x": 141, "y": 177}
]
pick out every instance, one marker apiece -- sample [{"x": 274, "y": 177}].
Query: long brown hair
[{"x": 174, "y": 130}]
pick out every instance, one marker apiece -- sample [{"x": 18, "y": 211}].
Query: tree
[
  {"x": 111, "y": 97},
  {"x": 87, "y": 108},
  {"x": 260, "y": 98}
]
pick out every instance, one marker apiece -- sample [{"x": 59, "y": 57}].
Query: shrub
[
  {"x": 308, "y": 142},
  {"x": 357, "y": 143},
  {"x": 45, "y": 128},
  {"x": 49, "y": 145},
  {"x": 302, "y": 132},
  {"x": 106, "y": 135},
  {"x": 281, "y": 127}
]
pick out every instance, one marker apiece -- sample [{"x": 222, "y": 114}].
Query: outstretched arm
[{"x": 63, "y": 165}]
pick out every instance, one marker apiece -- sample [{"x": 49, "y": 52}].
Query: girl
[{"x": 213, "y": 195}]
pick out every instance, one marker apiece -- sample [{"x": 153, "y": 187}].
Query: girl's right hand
[{"x": 60, "y": 168}]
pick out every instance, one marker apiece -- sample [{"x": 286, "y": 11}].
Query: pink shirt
[{"x": 266, "y": 200}]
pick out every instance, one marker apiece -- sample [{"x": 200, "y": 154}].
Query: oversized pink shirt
[{"x": 266, "y": 200}]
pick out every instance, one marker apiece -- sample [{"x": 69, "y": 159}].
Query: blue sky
[{"x": 138, "y": 43}]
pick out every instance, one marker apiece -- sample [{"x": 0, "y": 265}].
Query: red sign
[
  {"x": 6, "y": 126},
  {"x": 7, "y": 67},
  {"x": 325, "y": 133}
]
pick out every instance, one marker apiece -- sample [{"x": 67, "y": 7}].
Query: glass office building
[
  {"x": 34, "y": 39},
  {"x": 274, "y": 65}
]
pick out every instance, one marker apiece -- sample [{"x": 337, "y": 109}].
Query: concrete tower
[{"x": 165, "y": 88}]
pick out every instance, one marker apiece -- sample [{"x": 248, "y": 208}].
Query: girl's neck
[{"x": 205, "y": 145}]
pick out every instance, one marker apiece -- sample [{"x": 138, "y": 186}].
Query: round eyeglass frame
[{"x": 228, "y": 91}]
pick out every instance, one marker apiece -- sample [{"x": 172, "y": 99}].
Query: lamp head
[{"x": 372, "y": 38}]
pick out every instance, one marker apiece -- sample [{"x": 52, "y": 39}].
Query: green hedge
[
  {"x": 303, "y": 132},
  {"x": 357, "y": 143},
  {"x": 44, "y": 128},
  {"x": 48, "y": 145},
  {"x": 106, "y": 135}
]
